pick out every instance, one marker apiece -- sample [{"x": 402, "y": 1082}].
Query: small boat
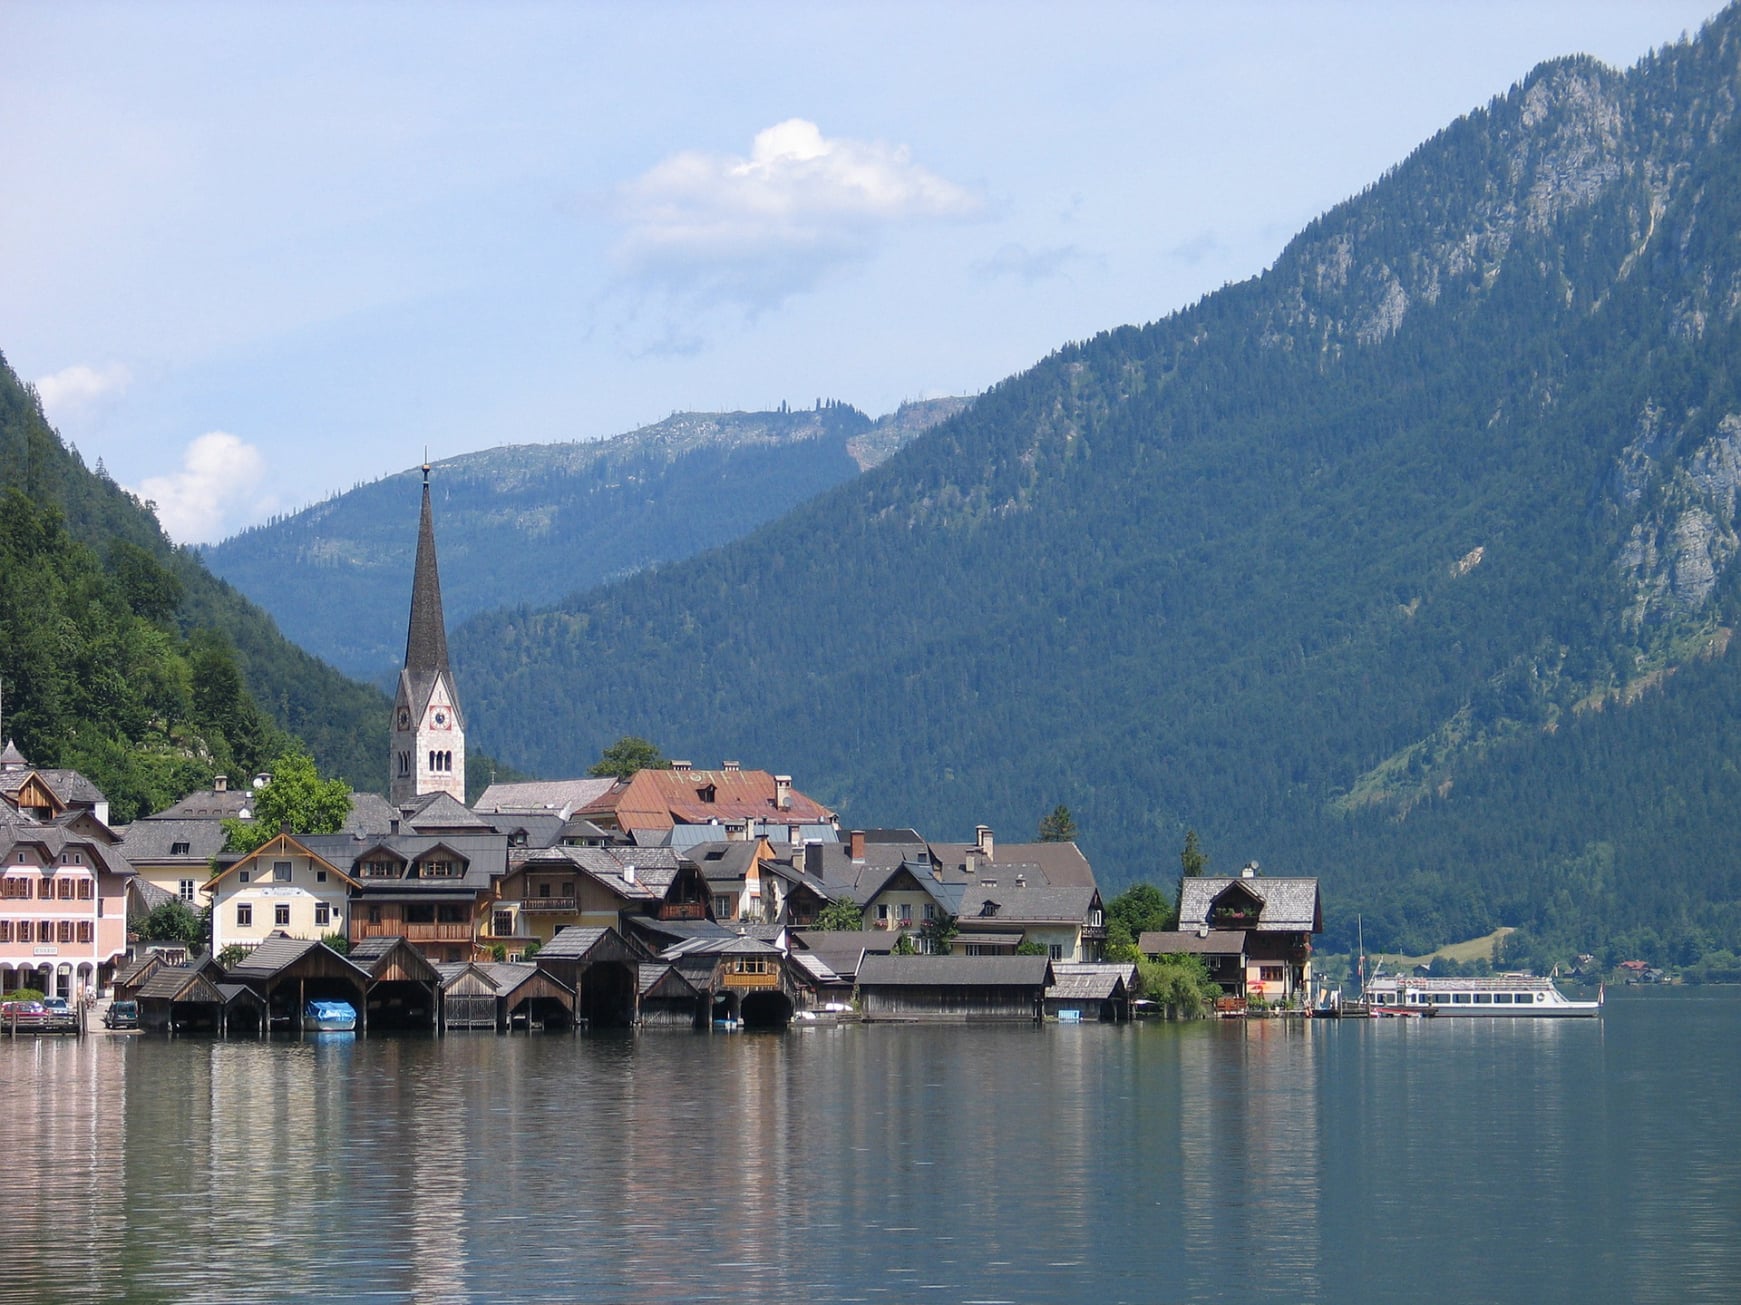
[
  {"x": 1503, "y": 995},
  {"x": 329, "y": 1017}
]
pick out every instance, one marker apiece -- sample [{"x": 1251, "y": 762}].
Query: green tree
[
  {"x": 627, "y": 755},
  {"x": 173, "y": 922},
  {"x": 939, "y": 933},
  {"x": 338, "y": 942},
  {"x": 840, "y": 915},
  {"x": 1192, "y": 862},
  {"x": 1027, "y": 948},
  {"x": 1141, "y": 908},
  {"x": 905, "y": 946},
  {"x": 298, "y": 799},
  {"x": 1179, "y": 984},
  {"x": 1059, "y": 827}
]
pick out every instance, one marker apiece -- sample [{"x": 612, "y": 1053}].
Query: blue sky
[{"x": 255, "y": 254}]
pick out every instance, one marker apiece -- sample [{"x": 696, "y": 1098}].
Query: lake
[{"x": 1486, "y": 1160}]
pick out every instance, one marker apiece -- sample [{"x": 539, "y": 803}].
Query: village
[{"x": 668, "y": 897}]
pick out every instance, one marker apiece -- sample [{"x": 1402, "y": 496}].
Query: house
[
  {"x": 432, "y": 889},
  {"x": 63, "y": 881},
  {"x": 1278, "y": 917},
  {"x": 1222, "y": 950},
  {"x": 282, "y": 887},
  {"x": 668, "y": 1000},
  {"x": 1092, "y": 992},
  {"x": 174, "y": 856},
  {"x": 745, "y": 980},
  {"x": 747, "y": 881},
  {"x": 404, "y": 988},
  {"x": 549, "y": 890},
  {"x": 954, "y": 988},
  {"x": 998, "y": 916},
  {"x": 1058, "y": 865},
  {"x": 707, "y": 805},
  {"x": 905, "y": 899}
]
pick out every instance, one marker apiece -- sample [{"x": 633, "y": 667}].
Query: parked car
[
  {"x": 22, "y": 1012},
  {"x": 121, "y": 1015},
  {"x": 56, "y": 1006}
]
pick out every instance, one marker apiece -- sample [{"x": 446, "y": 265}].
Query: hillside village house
[
  {"x": 281, "y": 887},
  {"x": 1277, "y": 918},
  {"x": 63, "y": 881}
]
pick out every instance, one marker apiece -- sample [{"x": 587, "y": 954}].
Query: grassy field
[{"x": 1474, "y": 949}]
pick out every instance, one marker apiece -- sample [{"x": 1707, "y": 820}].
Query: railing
[
  {"x": 415, "y": 932},
  {"x": 751, "y": 981},
  {"x": 549, "y": 904},
  {"x": 683, "y": 911}
]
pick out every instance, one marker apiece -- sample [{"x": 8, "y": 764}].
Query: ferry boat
[
  {"x": 329, "y": 1017},
  {"x": 1500, "y": 995}
]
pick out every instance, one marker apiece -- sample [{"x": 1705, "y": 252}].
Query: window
[
  {"x": 451, "y": 915},
  {"x": 544, "y": 890},
  {"x": 244, "y": 916},
  {"x": 242, "y": 876},
  {"x": 281, "y": 914},
  {"x": 24, "y": 933},
  {"x": 1272, "y": 974},
  {"x": 64, "y": 931},
  {"x": 66, "y": 890},
  {"x": 322, "y": 914},
  {"x": 906, "y": 913},
  {"x": 503, "y": 924},
  {"x": 419, "y": 915},
  {"x": 883, "y": 911},
  {"x": 45, "y": 889},
  {"x": 722, "y": 907},
  {"x": 87, "y": 931},
  {"x": 186, "y": 887},
  {"x": 5, "y": 931},
  {"x": 1502, "y": 998},
  {"x": 320, "y": 876},
  {"x": 281, "y": 872},
  {"x": 180, "y": 849},
  {"x": 84, "y": 890},
  {"x": 374, "y": 915},
  {"x": 1460, "y": 999},
  {"x": 1483, "y": 999},
  {"x": 930, "y": 910},
  {"x": 568, "y": 888}
]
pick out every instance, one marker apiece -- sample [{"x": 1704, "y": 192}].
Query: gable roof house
[
  {"x": 997, "y": 917},
  {"x": 730, "y": 803},
  {"x": 64, "y": 881},
  {"x": 1278, "y": 917},
  {"x": 284, "y": 886}
]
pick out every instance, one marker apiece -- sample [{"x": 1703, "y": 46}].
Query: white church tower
[{"x": 428, "y": 726}]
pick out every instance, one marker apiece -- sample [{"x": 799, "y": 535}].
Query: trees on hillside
[{"x": 1059, "y": 826}]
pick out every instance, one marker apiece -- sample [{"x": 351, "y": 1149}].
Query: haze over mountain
[
  {"x": 1409, "y": 562},
  {"x": 529, "y": 524}
]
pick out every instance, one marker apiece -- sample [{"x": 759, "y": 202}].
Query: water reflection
[{"x": 1265, "y": 1160}]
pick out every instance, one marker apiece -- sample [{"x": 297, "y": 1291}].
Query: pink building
[{"x": 63, "y": 881}]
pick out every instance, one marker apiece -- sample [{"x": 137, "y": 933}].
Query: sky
[{"x": 252, "y": 255}]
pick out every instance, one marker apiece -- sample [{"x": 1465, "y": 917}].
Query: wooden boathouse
[{"x": 954, "y": 988}]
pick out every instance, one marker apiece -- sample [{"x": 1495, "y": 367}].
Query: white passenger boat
[{"x": 1500, "y": 995}]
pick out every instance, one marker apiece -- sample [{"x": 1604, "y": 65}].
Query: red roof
[{"x": 659, "y": 799}]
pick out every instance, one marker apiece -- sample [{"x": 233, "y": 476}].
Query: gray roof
[
  {"x": 1061, "y": 865},
  {"x": 279, "y": 953},
  {"x": 1188, "y": 942},
  {"x": 654, "y": 974},
  {"x": 1030, "y": 903},
  {"x": 485, "y": 856},
  {"x": 208, "y": 804},
  {"x": 610, "y": 871},
  {"x": 1287, "y": 905},
  {"x": 434, "y": 813},
  {"x": 841, "y": 950},
  {"x": 1090, "y": 982},
  {"x": 564, "y": 796},
  {"x": 69, "y": 786},
  {"x": 157, "y": 838},
  {"x": 955, "y": 971},
  {"x": 370, "y": 813}
]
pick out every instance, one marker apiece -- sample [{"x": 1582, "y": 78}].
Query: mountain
[
  {"x": 533, "y": 523},
  {"x": 1397, "y": 563},
  {"x": 122, "y": 656}
]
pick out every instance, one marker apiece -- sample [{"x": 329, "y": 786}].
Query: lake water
[{"x": 1265, "y": 1160}]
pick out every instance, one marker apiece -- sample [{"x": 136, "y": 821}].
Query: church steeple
[{"x": 428, "y": 752}]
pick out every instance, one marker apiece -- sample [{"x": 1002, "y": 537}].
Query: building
[
  {"x": 63, "y": 881},
  {"x": 1277, "y": 917},
  {"x": 281, "y": 887},
  {"x": 428, "y": 734},
  {"x": 682, "y": 805}
]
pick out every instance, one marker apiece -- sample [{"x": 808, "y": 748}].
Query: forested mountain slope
[
  {"x": 1382, "y": 565},
  {"x": 533, "y": 523},
  {"x": 122, "y": 656}
]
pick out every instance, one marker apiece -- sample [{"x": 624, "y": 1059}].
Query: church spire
[
  {"x": 428, "y": 735},
  {"x": 426, "y": 640}
]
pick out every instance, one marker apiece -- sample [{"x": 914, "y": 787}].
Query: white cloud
[
  {"x": 720, "y": 229},
  {"x": 74, "y": 388},
  {"x": 216, "y": 490},
  {"x": 1030, "y": 265}
]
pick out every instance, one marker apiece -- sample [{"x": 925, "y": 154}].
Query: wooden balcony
[
  {"x": 751, "y": 982},
  {"x": 417, "y": 933},
  {"x": 565, "y": 905}
]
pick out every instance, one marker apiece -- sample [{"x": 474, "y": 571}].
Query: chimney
[
  {"x": 220, "y": 783},
  {"x": 982, "y": 840},
  {"x": 263, "y": 779},
  {"x": 1021, "y": 880},
  {"x": 1250, "y": 871},
  {"x": 783, "y": 792},
  {"x": 813, "y": 857},
  {"x": 855, "y": 844},
  {"x": 628, "y": 874},
  {"x": 731, "y": 767},
  {"x": 681, "y": 767}
]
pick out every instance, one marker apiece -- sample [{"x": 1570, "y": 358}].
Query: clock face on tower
[
  {"x": 404, "y": 719},
  {"x": 441, "y": 718}
]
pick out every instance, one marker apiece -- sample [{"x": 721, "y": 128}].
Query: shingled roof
[
  {"x": 1285, "y": 905},
  {"x": 955, "y": 971}
]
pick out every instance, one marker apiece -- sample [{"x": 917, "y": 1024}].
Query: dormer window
[
  {"x": 707, "y": 792},
  {"x": 989, "y": 908},
  {"x": 180, "y": 849}
]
